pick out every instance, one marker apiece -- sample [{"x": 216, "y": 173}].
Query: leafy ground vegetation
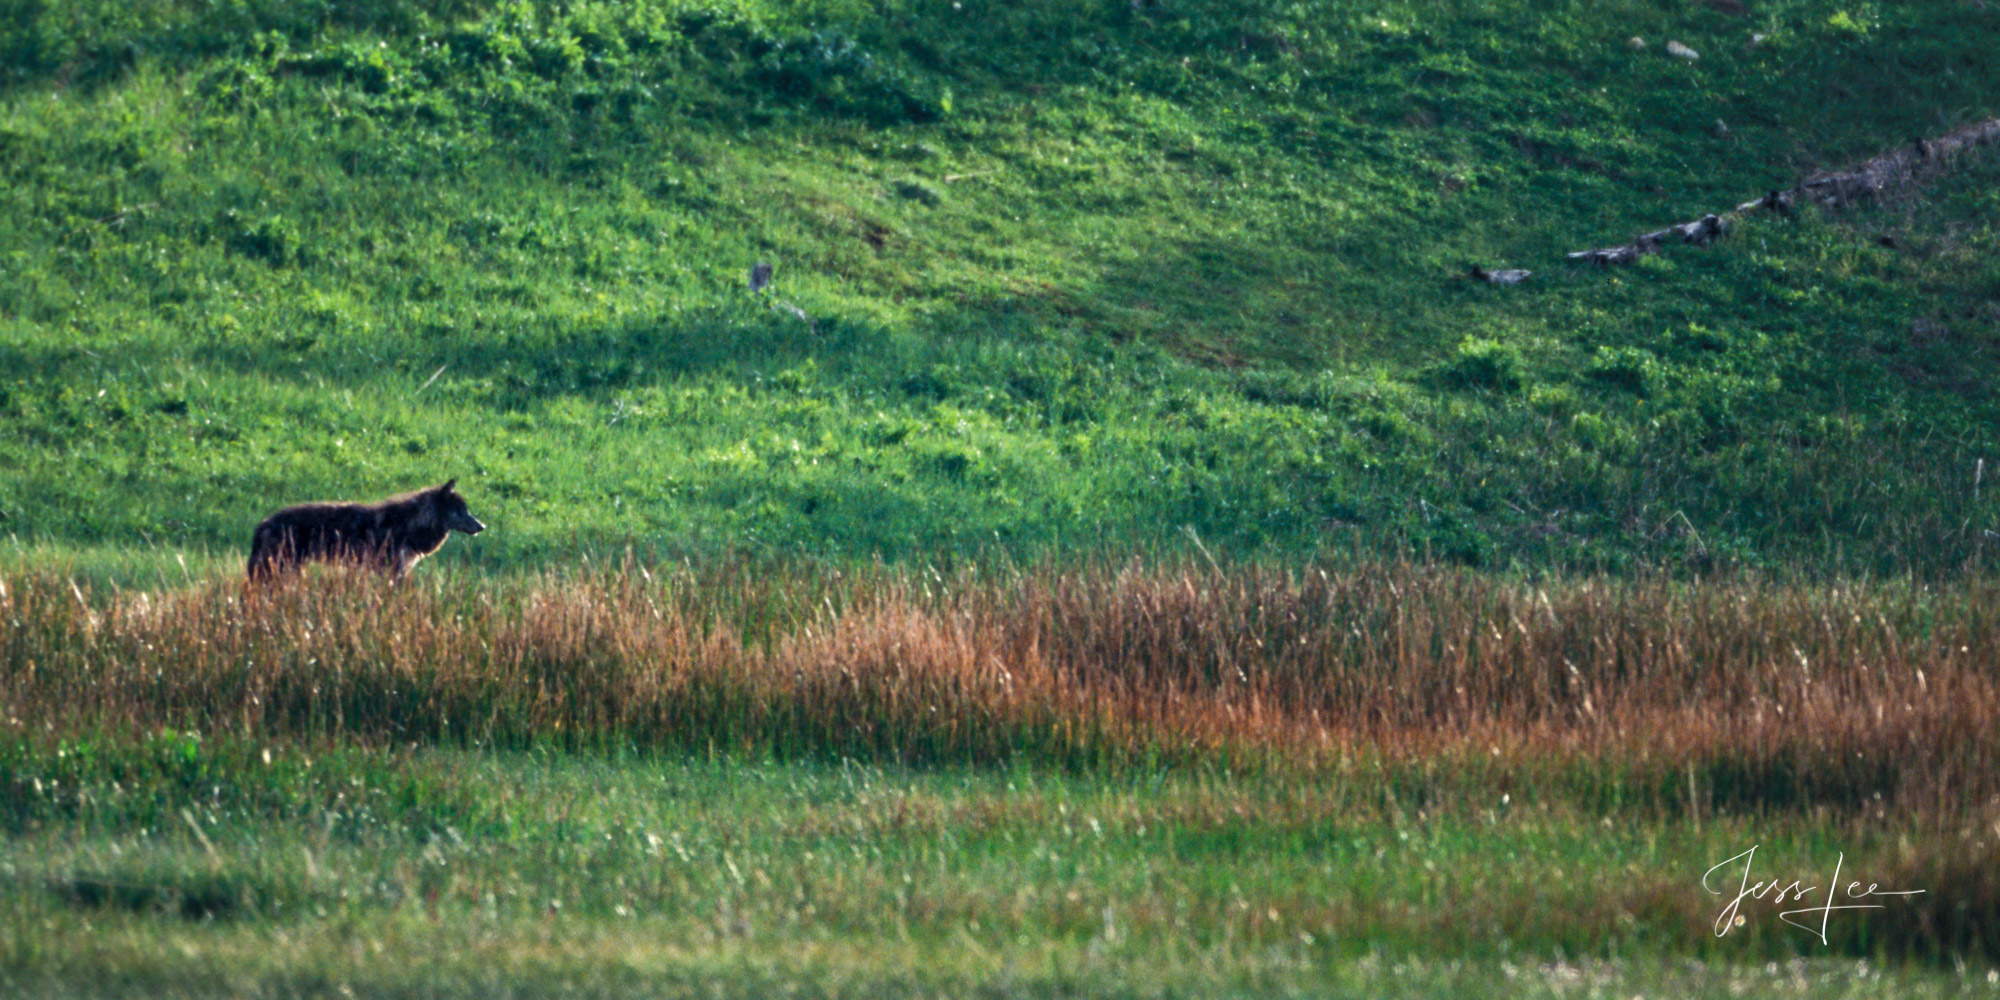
[
  {"x": 1071, "y": 275},
  {"x": 1056, "y": 582}
]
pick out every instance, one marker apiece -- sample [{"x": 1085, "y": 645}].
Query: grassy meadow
[
  {"x": 1122, "y": 553},
  {"x": 1106, "y": 781}
]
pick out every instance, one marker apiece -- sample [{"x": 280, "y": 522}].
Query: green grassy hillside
[{"x": 1072, "y": 275}]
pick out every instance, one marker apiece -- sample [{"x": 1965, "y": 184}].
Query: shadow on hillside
[
  {"x": 1214, "y": 303},
  {"x": 752, "y": 339},
  {"x": 84, "y": 45}
]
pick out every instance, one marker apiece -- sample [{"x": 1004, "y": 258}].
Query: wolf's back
[{"x": 308, "y": 531}]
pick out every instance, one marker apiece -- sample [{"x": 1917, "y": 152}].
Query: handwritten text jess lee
[{"x": 1779, "y": 891}]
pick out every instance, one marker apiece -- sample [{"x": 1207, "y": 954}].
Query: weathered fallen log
[
  {"x": 1702, "y": 230},
  {"x": 1891, "y": 171}
]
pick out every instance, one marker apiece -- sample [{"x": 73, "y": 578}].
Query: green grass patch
[
  {"x": 296, "y": 870},
  {"x": 1071, "y": 278}
]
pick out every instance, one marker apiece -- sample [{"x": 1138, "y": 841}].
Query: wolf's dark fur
[{"x": 390, "y": 536}]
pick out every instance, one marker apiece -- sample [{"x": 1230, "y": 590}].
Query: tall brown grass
[{"x": 1712, "y": 696}]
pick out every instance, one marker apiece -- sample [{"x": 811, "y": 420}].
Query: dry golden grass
[{"x": 1734, "y": 696}]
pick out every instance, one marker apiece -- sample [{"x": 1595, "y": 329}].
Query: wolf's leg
[{"x": 404, "y": 561}]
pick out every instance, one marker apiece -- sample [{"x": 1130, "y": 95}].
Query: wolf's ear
[{"x": 448, "y": 484}]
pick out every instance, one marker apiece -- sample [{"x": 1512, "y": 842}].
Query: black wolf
[{"x": 390, "y": 536}]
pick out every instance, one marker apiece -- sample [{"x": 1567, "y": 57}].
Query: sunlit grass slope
[{"x": 1070, "y": 275}]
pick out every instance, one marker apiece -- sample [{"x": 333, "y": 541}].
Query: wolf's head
[{"x": 451, "y": 511}]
